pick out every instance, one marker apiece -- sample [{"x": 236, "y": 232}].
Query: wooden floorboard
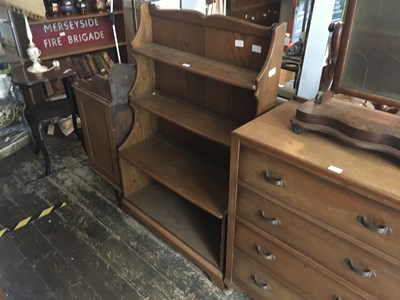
[{"x": 88, "y": 249}]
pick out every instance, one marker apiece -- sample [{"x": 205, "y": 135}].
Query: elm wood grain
[
  {"x": 339, "y": 207},
  {"x": 268, "y": 130},
  {"x": 182, "y": 220},
  {"x": 356, "y": 125},
  {"x": 191, "y": 117},
  {"x": 213, "y": 35},
  {"x": 96, "y": 121},
  {"x": 297, "y": 271},
  {"x": 202, "y": 146},
  {"x": 183, "y": 115},
  {"x": 98, "y": 84},
  {"x": 201, "y": 183},
  {"x": 267, "y": 143},
  {"x": 199, "y": 23},
  {"x": 106, "y": 118},
  {"x": 199, "y": 65},
  {"x": 229, "y": 101},
  {"x": 210, "y": 269},
  {"x": 364, "y": 66},
  {"x": 323, "y": 246},
  {"x": 247, "y": 273}
]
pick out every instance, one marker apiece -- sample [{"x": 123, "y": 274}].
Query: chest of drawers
[{"x": 309, "y": 217}]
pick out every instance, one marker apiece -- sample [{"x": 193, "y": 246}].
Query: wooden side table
[{"x": 40, "y": 110}]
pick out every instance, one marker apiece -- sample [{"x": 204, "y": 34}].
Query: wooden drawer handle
[
  {"x": 272, "y": 179},
  {"x": 260, "y": 284},
  {"x": 270, "y": 220},
  {"x": 364, "y": 273},
  {"x": 263, "y": 253},
  {"x": 380, "y": 229},
  {"x": 336, "y": 297}
]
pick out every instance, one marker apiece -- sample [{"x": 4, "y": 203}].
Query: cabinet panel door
[{"x": 95, "y": 114}]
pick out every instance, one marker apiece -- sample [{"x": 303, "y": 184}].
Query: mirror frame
[{"x": 337, "y": 88}]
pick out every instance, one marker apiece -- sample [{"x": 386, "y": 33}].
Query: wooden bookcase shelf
[
  {"x": 198, "y": 79},
  {"x": 189, "y": 116},
  {"x": 210, "y": 68},
  {"x": 203, "y": 183},
  {"x": 173, "y": 214}
]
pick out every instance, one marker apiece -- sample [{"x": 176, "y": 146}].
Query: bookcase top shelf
[{"x": 210, "y": 68}]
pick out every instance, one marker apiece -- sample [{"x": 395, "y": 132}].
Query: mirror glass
[{"x": 372, "y": 63}]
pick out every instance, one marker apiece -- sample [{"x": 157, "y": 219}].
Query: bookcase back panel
[
  {"x": 223, "y": 39},
  {"x": 224, "y": 99}
]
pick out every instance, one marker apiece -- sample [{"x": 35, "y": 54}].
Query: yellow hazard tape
[
  {"x": 32, "y": 218},
  {"x": 46, "y": 211},
  {"x": 22, "y": 223}
]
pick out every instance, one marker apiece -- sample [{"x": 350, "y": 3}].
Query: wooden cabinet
[
  {"x": 73, "y": 34},
  {"x": 106, "y": 117},
  {"x": 198, "y": 78},
  {"x": 318, "y": 217},
  {"x": 262, "y": 12}
]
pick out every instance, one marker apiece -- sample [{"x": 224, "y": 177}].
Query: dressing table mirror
[{"x": 360, "y": 100}]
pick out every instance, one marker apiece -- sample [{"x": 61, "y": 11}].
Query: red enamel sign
[{"x": 71, "y": 36}]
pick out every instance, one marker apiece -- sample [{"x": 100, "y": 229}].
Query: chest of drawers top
[{"x": 361, "y": 171}]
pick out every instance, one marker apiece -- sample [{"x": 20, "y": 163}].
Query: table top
[{"x": 21, "y": 77}]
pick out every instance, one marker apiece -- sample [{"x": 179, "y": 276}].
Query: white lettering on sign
[
  {"x": 71, "y": 25},
  {"x": 71, "y": 33},
  {"x": 53, "y": 42},
  {"x": 85, "y": 37}
]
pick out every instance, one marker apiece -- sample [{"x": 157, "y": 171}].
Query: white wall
[
  {"x": 199, "y": 5},
  {"x": 315, "y": 50}
]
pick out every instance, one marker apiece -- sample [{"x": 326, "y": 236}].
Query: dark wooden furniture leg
[
  {"x": 34, "y": 125},
  {"x": 67, "y": 82},
  {"x": 44, "y": 109}
]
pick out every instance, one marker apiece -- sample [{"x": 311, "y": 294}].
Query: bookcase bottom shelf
[{"x": 189, "y": 229}]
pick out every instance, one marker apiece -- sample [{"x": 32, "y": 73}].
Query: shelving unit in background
[
  {"x": 74, "y": 34},
  {"x": 262, "y": 12}
]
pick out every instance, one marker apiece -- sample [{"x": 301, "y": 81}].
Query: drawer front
[
  {"x": 369, "y": 221},
  {"x": 258, "y": 283},
  {"x": 295, "y": 271},
  {"x": 367, "y": 271}
]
